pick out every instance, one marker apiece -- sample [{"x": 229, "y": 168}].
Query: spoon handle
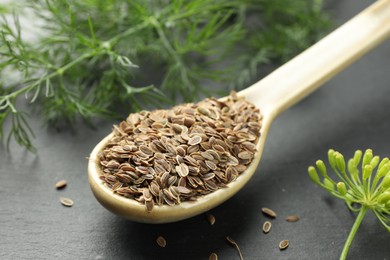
[{"x": 307, "y": 71}]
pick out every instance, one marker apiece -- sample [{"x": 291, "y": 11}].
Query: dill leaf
[{"x": 98, "y": 58}]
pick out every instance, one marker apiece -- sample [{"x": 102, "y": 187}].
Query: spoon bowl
[{"x": 272, "y": 95}]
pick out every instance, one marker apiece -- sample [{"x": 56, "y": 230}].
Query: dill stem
[
  {"x": 129, "y": 31},
  {"x": 344, "y": 177},
  {"x": 353, "y": 231},
  {"x": 59, "y": 71},
  {"x": 72, "y": 63}
]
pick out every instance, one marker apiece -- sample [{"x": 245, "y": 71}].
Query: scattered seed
[
  {"x": 213, "y": 256},
  {"x": 210, "y": 219},
  {"x": 66, "y": 202},
  {"x": 269, "y": 212},
  {"x": 233, "y": 243},
  {"x": 283, "y": 244},
  {"x": 267, "y": 227},
  {"x": 161, "y": 241},
  {"x": 61, "y": 184},
  {"x": 292, "y": 218}
]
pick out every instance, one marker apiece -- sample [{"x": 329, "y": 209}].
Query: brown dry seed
[
  {"x": 66, "y": 202},
  {"x": 145, "y": 150},
  {"x": 292, "y": 218},
  {"x": 245, "y": 155},
  {"x": 149, "y": 205},
  {"x": 182, "y": 170},
  {"x": 161, "y": 241},
  {"x": 283, "y": 244},
  {"x": 213, "y": 256},
  {"x": 177, "y": 128},
  {"x": 210, "y": 219},
  {"x": 269, "y": 212},
  {"x": 196, "y": 139},
  {"x": 211, "y": 165},
  {"x": 203, "y": 111},
  {"x": 207, "y": 155},
  {"x": 61, "y": 184},
  {"x": 267, "y": 227},
  {"x": 183, "y": 190}
]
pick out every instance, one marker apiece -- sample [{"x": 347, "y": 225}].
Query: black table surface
[{"x": 351, "y": 111}]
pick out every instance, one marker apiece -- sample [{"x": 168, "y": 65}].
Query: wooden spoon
[{"x": 274, "y": 94}]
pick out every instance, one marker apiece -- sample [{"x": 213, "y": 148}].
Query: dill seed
[
  {"x": 161, "y": 241},
  {"x": 182, "y": 170},
  {"x": 233, "y": 243},
  {"x": 165, "y": 157},
  {"x": 292, "y": 218},
  {"x": 61, "y": 184},
  {"x": 66, "y": 202},
  {"x": 283, "y": 244},
  {"x": 269, "y": 212},
  {"x": 213, "y": 256},
  {"x": 196, "y": 139},
  {"x": 210, "y": 219},
  {"x": 149, "y": 205},
  {"x": 267, "y": 227}
]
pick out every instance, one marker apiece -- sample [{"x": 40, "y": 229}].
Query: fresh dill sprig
[
  {"x": 88, "y": 57},
  {"x": 361, "y": 186}
]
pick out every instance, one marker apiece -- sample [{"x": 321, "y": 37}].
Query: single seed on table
[
  {"x": 267, "y": 227},
  {"x": 211, "y": 219},
  {"x": 66, "y": 202},
  {"x": 283, "y": 244},
  {"x": 292, "y": 218},
  {"x": 269, "y": 212},
  {"x": 213, "y": 256},
  {"x": 61, "y": 184},
  {"x": 161, "y": 241},
  {"x": 233, "y": 243}
]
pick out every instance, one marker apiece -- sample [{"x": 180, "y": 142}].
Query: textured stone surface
[{"x": 349, "y": 112}]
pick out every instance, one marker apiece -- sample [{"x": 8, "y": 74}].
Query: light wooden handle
[{"x": 307, "y": 71}]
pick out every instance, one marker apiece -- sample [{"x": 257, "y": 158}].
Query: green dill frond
[{"x": 99, "y": 58}]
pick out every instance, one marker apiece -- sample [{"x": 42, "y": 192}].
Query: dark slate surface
[{"x": 349, "y": 112}]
